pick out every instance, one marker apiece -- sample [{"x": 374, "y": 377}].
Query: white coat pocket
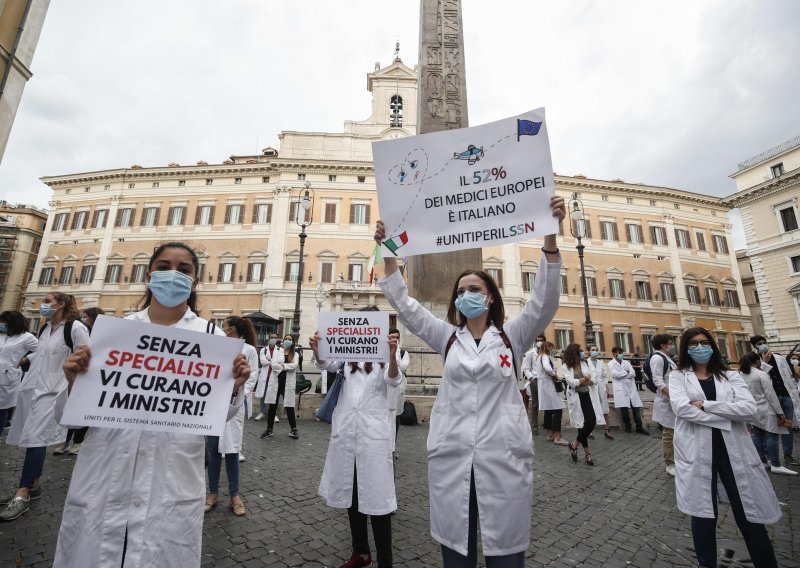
[
  {"x": 517, "y": 431},
  {"x": 504, "y": 362},
  {"x": 439, "y": 418},
  {"x": 184, "y": 479}
]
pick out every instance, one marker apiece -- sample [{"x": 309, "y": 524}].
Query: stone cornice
[
  {"x": 767, "y": 188},
  {"x": 636, "y": 189}
]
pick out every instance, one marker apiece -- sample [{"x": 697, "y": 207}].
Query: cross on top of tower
[{"x": 397, "y": 52}]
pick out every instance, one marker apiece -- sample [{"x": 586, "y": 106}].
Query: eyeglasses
[{"x": 693, "y": 343}]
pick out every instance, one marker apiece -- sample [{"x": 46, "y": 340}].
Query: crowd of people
[{"x": 718, "y": 426}]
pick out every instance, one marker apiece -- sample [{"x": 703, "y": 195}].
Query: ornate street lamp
[
  {"x": 303, "y": 216},
  {"x": 578, "y": 230},
  {"x": 320, "y": 295}
]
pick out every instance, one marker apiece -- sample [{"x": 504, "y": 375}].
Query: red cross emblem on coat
[{"x": 504, "y": 362}]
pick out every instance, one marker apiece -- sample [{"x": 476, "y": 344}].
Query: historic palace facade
[{"x": 657, "y": 259}]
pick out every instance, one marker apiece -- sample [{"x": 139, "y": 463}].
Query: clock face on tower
[{"x": 394, "y": 135}]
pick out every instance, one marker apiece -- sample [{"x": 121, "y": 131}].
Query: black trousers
[
  {"x": 589, "y": 418},
  {"x": 381, "y": 530},
  {"x": 637, "y": 416},
  {"x": 552, "y": 420},
  {"x": 77, "y": 434},
  {"x": 272, "y": 409},
  {"x": 704, "y": 531}
]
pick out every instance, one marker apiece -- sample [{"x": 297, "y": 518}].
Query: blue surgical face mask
[
  {"x": 471, "y": 304},
  {"x": 620, "y": 357},
  {"x": 701, "y": 354},
  {"x": 273, "y": 342},
  {"x": 170, "y": 287},
  {"x": 3, "y": 328},
  {"x": 287, "y": 344},
  {"x": 47, "y": 310},
  {"x": 594, "y": 354},
  {"x": 583, "y": 354},
  {"x": 763, "y": 348},
  {"x": 671, "y": 351}
]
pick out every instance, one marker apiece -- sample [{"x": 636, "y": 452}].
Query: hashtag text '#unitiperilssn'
[{"x": 485, "y": 235}]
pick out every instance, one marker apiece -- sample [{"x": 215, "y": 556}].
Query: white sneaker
[
  {"x": 260, "y": 417},
  {"x": 74, "y": 449},
  {"x": 62, "y": 449},
  {"x": 780, "y": 470},
  {"x": 671, "y": 470},
  {"x": 276, "y": 420},
  {"x": 241, "y": 457}
]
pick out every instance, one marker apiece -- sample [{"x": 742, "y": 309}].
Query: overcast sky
[{"x": 665, "y": 93}]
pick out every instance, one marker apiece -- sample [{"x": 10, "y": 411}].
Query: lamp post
[
  {"x": 320, "y": 295},
  {"x": 578, "y": 230},
  {"x": 305, "y": 202}
]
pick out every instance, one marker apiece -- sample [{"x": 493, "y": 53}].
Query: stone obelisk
[{"x": 441, "y": 105}]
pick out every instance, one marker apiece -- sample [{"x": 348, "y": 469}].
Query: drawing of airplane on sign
[{"x": 472, "y": 154}]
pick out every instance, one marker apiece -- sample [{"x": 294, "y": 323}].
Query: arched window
[{"x": 396, "y": 111}]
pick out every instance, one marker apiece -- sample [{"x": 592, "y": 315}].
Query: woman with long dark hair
[
  {"x": 769, "y": 421},
  {"x": 712, "y": 446},
  {"x": 35, "y": 425},
  {"x": 359, "y": 469},
  {"x": 136, "y": 496},
  {"x": 582, "y": 399},
  {"x": 286, "y": 368},
  {"x": 551, "y": 402},
  {"x": 229, "y": 445},
  {"x": 480, "y": 446},
  {"x": 15, "y": 343}
]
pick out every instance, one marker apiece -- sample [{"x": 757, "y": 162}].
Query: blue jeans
[
  {"x": 788, "y": 413},
  {"x": 32, "y": 466},
  {"x": 262, "y": 404},
  {"x": 452, "y": 559},
  {"x": 763, "y": 438},
  {"x": 215, "y": 465}
]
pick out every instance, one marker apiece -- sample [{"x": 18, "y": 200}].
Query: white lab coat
[
  {"x": 788, "y": 381},
  {"x": 265, "y": 373},
  {"x": 662, "y": 409},
  {"x": 576, "y": 418},
  {"x": 549, "y": 397},
  {"x": 478, "y": 423},
  {"x": 361, "y": 441},
  {"x": 732, "y": 408},
  {"x": 601, "y": 376},
  {"x": 397, "y": 395},
  {"x": 34, "y": 424},
  {"x": 625, "y": 393},
  {"x": 231, "y": 440},
  {"x": 279, "y": 365},
  {"x": 148, "y": 483},
  {"x": 767, "y": 404},
  {"x": 12, "y": 349}
]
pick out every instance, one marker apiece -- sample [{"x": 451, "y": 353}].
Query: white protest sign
[
  {"x": 152, "y": 377},
  {"x": 466, "y": 188},
  {"x": 353, "y": 336}
]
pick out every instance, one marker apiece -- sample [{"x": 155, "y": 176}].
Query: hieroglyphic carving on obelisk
[{"x": 441, "y": 105}]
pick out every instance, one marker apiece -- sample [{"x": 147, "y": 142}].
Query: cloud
[{"x": 669, "y": 94}]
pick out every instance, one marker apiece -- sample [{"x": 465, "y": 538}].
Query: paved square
[{"x": 621, "y": 512}]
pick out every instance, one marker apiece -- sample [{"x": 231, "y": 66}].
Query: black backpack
[
  {"x": 409, "y": 414},
  {"x": 67, "y": 332},
  {"x": 648, "y": 372}
]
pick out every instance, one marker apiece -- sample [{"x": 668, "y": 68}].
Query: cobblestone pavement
[{"x": 621, "y": 512}]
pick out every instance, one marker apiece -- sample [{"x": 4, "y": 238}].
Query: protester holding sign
[
  {"x": 35, "y": 426},
  {"x": 480, "y": 456},
  {"x": 136, "y": 496},
  {"x": 229, "y": 445},
  {"x": 359, "y": 469},
  {"x": 286, "y": 370}
]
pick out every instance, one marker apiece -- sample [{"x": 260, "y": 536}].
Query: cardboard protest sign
[
  {"x": 354, "y": 336},
  {"x": 153, "y": 377},
  {"x": 466, "y": 188}
]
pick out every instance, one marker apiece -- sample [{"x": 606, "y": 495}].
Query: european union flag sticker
[{"x": 527, "y": 128}]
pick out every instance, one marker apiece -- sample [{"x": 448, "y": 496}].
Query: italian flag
[
  {"x": 375, "y": 258},
  {"x": 396, "y": 242}
]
